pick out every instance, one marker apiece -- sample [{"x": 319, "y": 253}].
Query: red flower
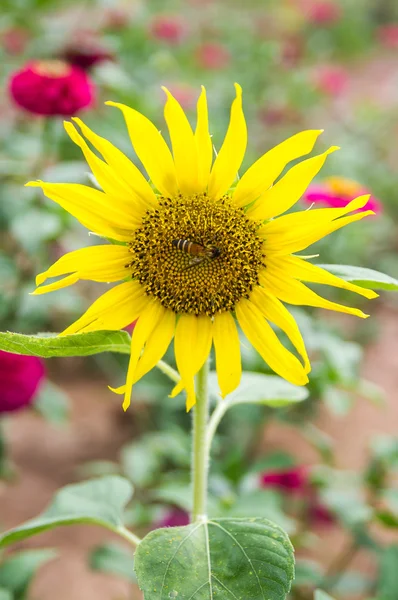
[
  {"x": 324, "y": 12},
  {"x": 169, "y": 29},
  {"x": 176, "y": 517},
  {"x": 20, "y": 378},
  {"x": 51, "y": 88},
  {"x": 331, "y": 79},
  {"x": 292, "y": 480},
  {"x": 212, "y": 55},
  {"x": 85, "y": 52},
  {"x": 337, "y": 192},
  {"x": 388, "y": 35}
]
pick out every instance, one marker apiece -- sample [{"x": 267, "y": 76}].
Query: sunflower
[{"x": 195, "y": 253}]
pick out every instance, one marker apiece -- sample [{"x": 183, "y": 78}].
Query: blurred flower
[
  {"x": 322, "y": 12},
  {"x": 213, "y": 55},
  {"x": 292, "y": 51},
  {"x": 337, "y": 192},
  {"x": 331, "y": 79},
  {"x": 277, "y": 114},
  {"x": 14, "y": 40},
  {"x": 168, "y": 28},
  {"x": 293, "y": 480},
  {"x": 20, "y": 378},
  {"x": 184, "y": 94},
  {"x": 176, "y": 517},
  {"x": 51, "y": 88},
  {"x": 85, "y": 51},
  {"x": 388, "y": 35},
  {"x": 119, "y": 17},
  {"x": 319, "y": 514}
]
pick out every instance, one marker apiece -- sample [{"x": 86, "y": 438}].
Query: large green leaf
[
  {"x": 220, "y": 558},
  {"x": 17, "y": 571},
  {"x": 256, "y": 388},
  {"x": 367, "y": 278},
  {"x": 77, "y": 344},
  {"x": 98, "y": 501}
]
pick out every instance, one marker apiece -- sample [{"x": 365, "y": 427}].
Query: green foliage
[
  {"x": 52, "y": 404},
  {"x": 77, "y": 344},
  {"x": 388, "y": 573},
  {"x": 115, "y": 559},
  {"x": 367, "y": 278},
  {"x": 320, "y": 595},
  {"x": 18, "y": 570},
  {"x": 98, "y": 502},
  {"x": 245, "y": 558}
]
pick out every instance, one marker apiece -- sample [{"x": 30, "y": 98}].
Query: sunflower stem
[
  {"x": 200, "y": 459},
  {"x": 169, "y": 371}
]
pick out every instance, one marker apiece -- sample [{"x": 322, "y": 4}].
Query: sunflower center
[{"x": 197, "y": 255}]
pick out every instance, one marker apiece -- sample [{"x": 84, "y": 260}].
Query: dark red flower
[
  {"x": 171, "y": 29},
  {"x": 86, "y": 54},
  {"x": 319, "y": 514},
  {"x": 292, "y": 480},
  {"x": 212, "y": 55},
  {"x": 176, "y": 517},
  {"x": 20, "y": 378},
  {"x": 51, "y": 88}
]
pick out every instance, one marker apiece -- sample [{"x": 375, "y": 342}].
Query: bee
[{"x": 197, "y": 252}]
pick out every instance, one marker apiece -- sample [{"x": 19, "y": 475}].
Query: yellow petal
[
  {"x": 115, "y": 309},
  {"x": 192, "y": 346},
  {"x": 57, "y": 285},
  {"x": 302, "y": 270},
  {"x": 291, "y": 291},
  {"x": 266, "y": 169},
  {"x": 122, "y": 166},
  {"x": 286, "y": 192},
  {"x": 148, "y": 321},
  {"x": 156, "y": 345},
  {"x": 230, "y": 157},
  {"x": 92, "y": 208},
  {"x": 203, "y": 142},
  {"x": 264, "y": 340},
  {"x": 273, "y": 310},
  {"x": 97, "y": 263},
  {"x": 151, "y": 149},
  {"x": 292, "y": 233},
  {"x": 227, "y": 347},
  {"x": 183, "y": 144}
]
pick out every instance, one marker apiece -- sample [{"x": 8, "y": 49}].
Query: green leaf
[
  {"x": 17, "y": 571},
  {"x": 367, "y": 278},
  {"x": 99, "y": 501},
  {"x": 220, "y": 558},
  {"x": 5, "y": 594},
  {"x": 256, "y": 388},
  {"x": 320, "y": 595},
  {"x": 114, "y": 559},
  {"x": 52, "y": 403},
  {"x": 77, "y": 344},
  {"x": 388, "y": 574},
  {"x": 308, "y": 573}
]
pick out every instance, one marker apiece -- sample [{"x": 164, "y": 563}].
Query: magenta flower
[
  {"x": 176, "y": 517},
  {"x": 20, "y": 379},
  {"x": 388, "y": 35},
  {"x": 331, "y": 80},
  {"x": 171, "y": 29},
  {"x": 337, "y": 192},
  {"x": 322, "y": 12},
  {"x": 212, "y": 55},
  {"x": 291, "y": 480},
  {"x": 51, "y": 88}
]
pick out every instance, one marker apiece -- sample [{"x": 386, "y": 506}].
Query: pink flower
[
  {"x": 51, "y": 88},
  {"x": 169, "y": 29},
  {"x": 388, "y": 35},
  {"x": 14, "y": 40},
  {"x": 176, "y": 517},
  {"x": 337, "y": 192},
  {"x": 85, "y": 51},
  {"x": 20, "y": 378},
  {"x": 322, "y": 12},
  {"x": 291, "y": 480},
  {"x": 332, "y": 80},
  {"x": 184, "y": 94},
  {"x": 212, "y": 55}
]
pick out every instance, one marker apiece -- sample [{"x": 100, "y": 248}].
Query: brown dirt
[{"x": 46, "y": 458}]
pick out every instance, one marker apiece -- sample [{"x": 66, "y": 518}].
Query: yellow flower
[{"x": 194, "y": 254}]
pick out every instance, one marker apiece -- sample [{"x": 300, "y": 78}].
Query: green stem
[
  {"x": 169, "y": 371},
  {"x": 214, "y": 422},
  {"x": 200, "y": 459},
  {"x": 129, "y": 536}
]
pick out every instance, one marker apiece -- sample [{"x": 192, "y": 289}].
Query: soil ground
[{"x": 47, "y": 457}]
